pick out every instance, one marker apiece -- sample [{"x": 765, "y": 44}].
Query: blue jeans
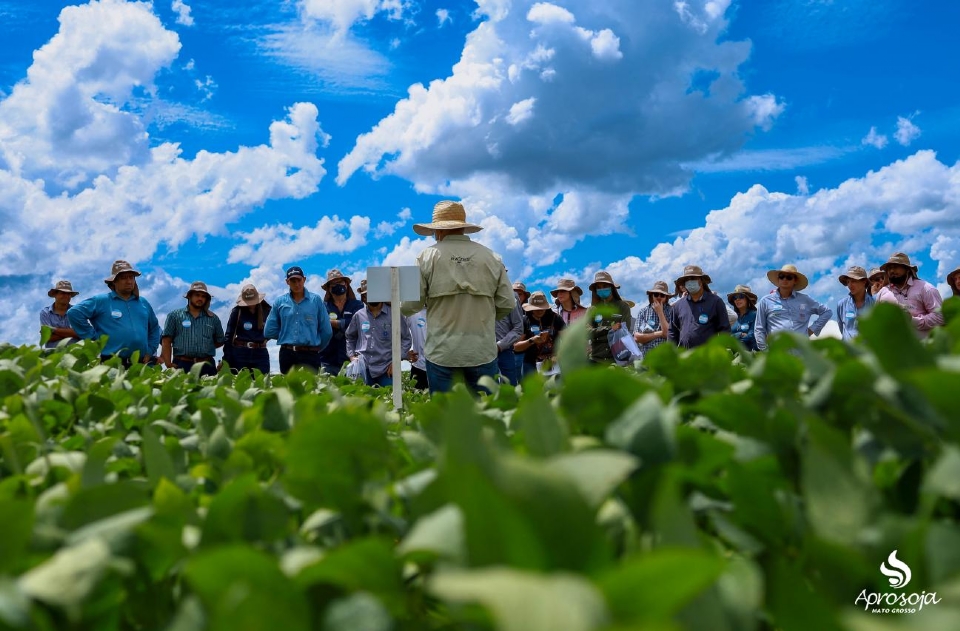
[
  {"x": 507, "y": 363},
  {"x": 529, "y": 368},
  {"x": 382, "y": 381},
  {"x": 441, "y": 377}
]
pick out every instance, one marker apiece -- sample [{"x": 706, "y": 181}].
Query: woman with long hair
[
  {"x": 245, "y": 346},
  {"x": 744, "y": 302},
  {"x": 608, "y": 312}
]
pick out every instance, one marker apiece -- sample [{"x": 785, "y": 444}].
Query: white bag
[{"x": 357, "y": 369}]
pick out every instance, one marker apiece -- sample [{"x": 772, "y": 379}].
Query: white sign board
[{"x": 378, "y": 284}]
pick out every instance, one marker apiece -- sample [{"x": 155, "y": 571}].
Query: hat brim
[
  {"x": 802, "y": 281},
  {"x": 650, "y": 292},
  {"x": 749, "y": 294},
  {"x": 575, "y": 290},
  {"x": 952, "y": 276},
  {"x": 704, "y": 277},
  {"x": 53, "y": 292},
  {"x": 248, "y": 303},
  {"x": 198, "y": 291},
  {"x": 426, "y": 229},
  {"x": 593, "y": 286},
  {"x": 844, "y": 279},
  {"x": 889, "y": 263},
  {"x": 114, "y": 277},
  {"x": 529, "y": 307},
  {"x": 326, "y": 285}
]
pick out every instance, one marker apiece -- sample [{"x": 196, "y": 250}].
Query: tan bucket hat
[
  {"x": 745, "y": 290},
  {"x": 522, "y": 288},
  {"x": 333, "y": 275},
  {"x": 362, "y": 290},
  {"x": 249, "y": 296},
  {"x": 659, "y": 287},
  {"x": 120, "y": 267},
  {"x": 602, "y": 276},
  {"x": 876, "y": 271},
  {"x": 854, "y": 272},
  {"x": 566, "y": 284},
  {"x": 447, "y": 215},
  {"x": 952, "y": 276},
  {"x": 538, "y": 300},
  {"x": 64, "y": 286},
  {"x": 802, "y": 280},
  {"x": 693, "y": 271},
  {"x": 198, "y": 288},
  {"x": 899, "y": 258}
]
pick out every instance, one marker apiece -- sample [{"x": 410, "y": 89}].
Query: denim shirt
[
  {"x": 848, "y": 315},
  {"x": 303, "y": 323},
  {"x": 130, "y": 324},
  {"x": 788, "y": 314},
  {"x": 744, "y": 329}
]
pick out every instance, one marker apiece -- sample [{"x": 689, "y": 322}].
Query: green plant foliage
[{"x": 704, "y": 489}]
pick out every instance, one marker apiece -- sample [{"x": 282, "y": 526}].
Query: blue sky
[{"x": 202, "y": 141}]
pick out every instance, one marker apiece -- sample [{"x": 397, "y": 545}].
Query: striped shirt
[
  {"x": 193, "y": 336},
  {"x": 372, "y": 337},
  {"x": 647, "y": 321}
]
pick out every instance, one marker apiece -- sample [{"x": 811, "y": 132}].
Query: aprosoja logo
[{"x": 899, "y": 574}]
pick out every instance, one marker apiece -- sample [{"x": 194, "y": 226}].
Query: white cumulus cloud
[
  {"x": 906, "y": 132},
  {"x": 803, "y": 186},
  {"x": 875, "y": 139},
  {"x": 279, "y": 245},
  {"x": 443, "y": 17},
  {"x": 183, "y": 12}
]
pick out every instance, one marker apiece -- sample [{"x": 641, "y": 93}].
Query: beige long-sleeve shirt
[{"x": 465, "y": 289}]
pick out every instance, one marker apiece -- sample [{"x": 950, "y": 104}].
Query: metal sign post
[{"x": 394, "y": 284}]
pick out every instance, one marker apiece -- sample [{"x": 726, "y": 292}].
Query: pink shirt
[{"x": 921, "y": 300}]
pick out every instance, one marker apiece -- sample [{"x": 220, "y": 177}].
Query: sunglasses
[
  {"x": 739, "y": 297},
  {"x": 787, "y": 277}
]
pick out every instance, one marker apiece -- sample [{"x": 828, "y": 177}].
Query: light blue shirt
[
  {"x": 848, "y": 315},
  {"x": 303, "y": 323},
  {"x": 130, "y": 324},
  {"x": 372, "y": 337},
  {"x": 776, "y": 314},
  {"x": 417, "y": 323}
]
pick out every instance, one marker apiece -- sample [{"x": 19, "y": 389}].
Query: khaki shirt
[{"x": 465, "y": 289}]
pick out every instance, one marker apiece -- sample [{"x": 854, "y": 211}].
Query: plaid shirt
[
  {"x": 647, "y": 321},
  {"x": 193, "y": 337}
]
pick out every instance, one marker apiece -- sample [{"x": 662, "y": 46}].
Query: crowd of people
[{"x": 470, "y": 321}]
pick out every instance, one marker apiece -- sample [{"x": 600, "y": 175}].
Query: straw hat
[
  {"x": 693, "y": 271},
  {"x": 567, "y": 284},
  {"x": 333, "y": 275},
  {"x": 249, "y": 296},
  {"x": 659, "y": 287},
  {"x": 119, "y": 267},
  {"x": 447, "y": 215},
  {"x": 952, "y": 276},
  {"x": 899, "y": 258},
  {"x": 802, "y": 280},
  {"x": 64, "y": 286},
  {"x": 602, "y": 276},
  {"x": 855, "y": 272},
  {"x": 197, "y": 287},
  {"x": 745, "y": 290},
  {"x": 538, "y": 301}
]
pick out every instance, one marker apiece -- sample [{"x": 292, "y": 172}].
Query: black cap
[{"x": 295, "y": 271}]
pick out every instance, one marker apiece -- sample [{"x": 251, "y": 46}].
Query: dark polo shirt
[{"x": 693, "y": 323}]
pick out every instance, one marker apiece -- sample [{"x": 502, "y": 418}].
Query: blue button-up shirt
[
  {"x": 303, "y": 323},
  {"x": 788, "y": 314},
  {"x": 848, "y": 315},
  {"x": 372, "y": 337},
  {"x": 130, "y": 324}
]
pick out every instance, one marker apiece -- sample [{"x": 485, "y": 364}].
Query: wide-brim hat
[
  {"x": 64, "y": 286},
  {"x": 249, "y": 296},
  {"x": 362, "y": 289},
  {"x": 566, "y": 284},
  {"x": 899, "y": 258},
  {"x": 522, "y": 288},
  {"x": 602, "y": 276},
  {"x": 538, "y": 301},
  {"x": 745, "y": 290},
  {"x": 855, "y": 272},
  {"x": 333, "y": 275},
  {"x": 876, "y": 271},
  {"x": 802, "y": 281},
  {"x": 197, "y": 287},
  {"x": 119, "y": 267},
  {"x": 952, "y": 276},
  {"x": 659, "y": 287},
  {"x": 447, "y": 215},
  {"x": 693, "y": 271}
]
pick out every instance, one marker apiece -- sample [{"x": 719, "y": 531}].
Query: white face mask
[{"x": 692, "y": 286}]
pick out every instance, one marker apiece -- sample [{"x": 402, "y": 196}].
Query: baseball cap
[{"x": 295, "y": 271}]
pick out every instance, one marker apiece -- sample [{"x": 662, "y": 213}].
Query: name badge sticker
[
  {"x": 333, "y": 316},
  {"x": 365, "y": 327},
  {"x": 703, "y": 319},
  {"x": 598, "y": 319},
  {"x": 744, "y": 327},
  {"x": 187, "y": 324},
  {"x": 117, "y": 314},
  {"x": 248, "y": 326},
  {"x": 421, "y": 322},
  {"x": 850, "y": 315},
  {"x": 535, "y": 329}
]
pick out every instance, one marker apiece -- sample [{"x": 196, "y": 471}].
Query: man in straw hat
[
  {"x": 919, "y": 298},
  {"x": 341, "y": 305},
  {"x": 465, "y": 288},
  {"x": 567, "y": 295},
  {"x": 300, "y": 324},
  {"x": 192, "y": 334},
  {"x": 855, "y": 303},
  {"x": 699, "y": 314},
  {"x": 55, "y": 315},
  {"x": 245, "y": 346},
  {"x": 787, "y": 309},
  {"x": 652, "y": 325},
  {"x": 121, "y": 314}
]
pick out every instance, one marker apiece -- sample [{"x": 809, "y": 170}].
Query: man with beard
[
  {"x": 122, "y": 315},
  {"x": 919, "y": 298},
  {"x": 192, "y": 334}
]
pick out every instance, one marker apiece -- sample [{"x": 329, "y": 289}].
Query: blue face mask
[
  {"x": 604, "y": 292},
  {"x": 692, "y": 286}
]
